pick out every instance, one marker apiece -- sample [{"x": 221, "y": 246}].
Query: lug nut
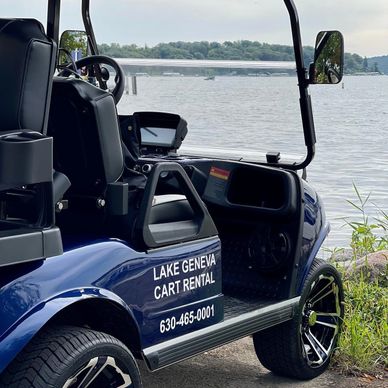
[
  {"x": 100, "y": 203},
  {"x": 59, "y": 207}
]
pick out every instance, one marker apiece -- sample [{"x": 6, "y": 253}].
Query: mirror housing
[
  {"x": 74, "y": 45},
  {"x": 328, "y": 64}
]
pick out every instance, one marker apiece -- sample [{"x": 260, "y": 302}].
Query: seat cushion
[{"x": 170, "y": 208}]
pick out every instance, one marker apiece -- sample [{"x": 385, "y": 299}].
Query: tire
[
  {"x": 301, "y": 348},
  {"x": 71, "y": 357}
]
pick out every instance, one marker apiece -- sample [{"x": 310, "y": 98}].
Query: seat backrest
[
  {"x": 27, "y": 62},
  {"x": 87, "y": 143}
]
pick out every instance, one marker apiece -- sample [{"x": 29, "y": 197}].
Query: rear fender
[{"x": 19, "y": 334}]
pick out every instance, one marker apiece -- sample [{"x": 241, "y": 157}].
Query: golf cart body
[{"x": 170, "y": 254}]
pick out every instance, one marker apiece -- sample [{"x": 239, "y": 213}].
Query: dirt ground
[{"x": 236, "y": 365}]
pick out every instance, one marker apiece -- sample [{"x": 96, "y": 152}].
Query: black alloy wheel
[{"x": 302, "y": 347}]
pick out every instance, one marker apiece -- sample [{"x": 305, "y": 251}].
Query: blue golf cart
[{"x": 115, "y": 247}]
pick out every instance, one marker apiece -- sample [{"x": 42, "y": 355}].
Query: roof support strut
[
  {"x": 53, "y": 16},
  {"x": 303, "y": 83}
]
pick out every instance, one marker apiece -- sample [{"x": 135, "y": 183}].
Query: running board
[{"x": 188, "y": 345}]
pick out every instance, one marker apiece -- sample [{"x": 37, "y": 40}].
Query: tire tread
[{"x": 48, "y": 352}]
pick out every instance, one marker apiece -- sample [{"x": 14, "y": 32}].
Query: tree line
[{"x": 244, "y": 50}]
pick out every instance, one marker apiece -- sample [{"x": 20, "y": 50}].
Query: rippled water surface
[{"x": 262, "y": 114}]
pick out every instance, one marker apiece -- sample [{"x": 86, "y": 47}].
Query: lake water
[{"x": 262, "y": 114}]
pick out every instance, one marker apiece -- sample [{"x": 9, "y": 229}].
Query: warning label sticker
[
  {"x": 219, "y": 173},
  {"x": 216, "y": 185}
]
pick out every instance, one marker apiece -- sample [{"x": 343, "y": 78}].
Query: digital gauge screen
[{"x": 157, "y": 137}]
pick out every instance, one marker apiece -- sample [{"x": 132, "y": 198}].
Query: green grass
[
  {"x": 363, "y": 344},
  {"x": 367, "y": 236}
]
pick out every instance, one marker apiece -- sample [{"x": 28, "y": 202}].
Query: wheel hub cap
[
  {"x": 312, "y": 318},
  {"x": 321, "y": 321},
  {"x": 100, "y": 371}
]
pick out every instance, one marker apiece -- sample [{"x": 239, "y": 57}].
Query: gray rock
[
  {"x": 373, "y": 266},
  {"x": 341, "y": 255}
]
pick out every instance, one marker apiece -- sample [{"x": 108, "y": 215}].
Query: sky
[{"x": 364, "y": 23}]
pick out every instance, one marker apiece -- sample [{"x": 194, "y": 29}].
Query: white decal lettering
[
  {"x": 165, "y": 271},
  {"x": 193, "y": 264}
]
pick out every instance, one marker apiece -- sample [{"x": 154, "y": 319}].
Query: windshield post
[
  {"x": 89, "y": 27},
  {"x": 303, "y": 83},
  {"x": 92, "y": 41},
  {"x": 53, "y": 15}
]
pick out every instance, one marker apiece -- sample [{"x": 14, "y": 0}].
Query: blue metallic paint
[
  {"x": 315, "y": 230},
  {"x": 32, "y": 294},
  {"x": 21, "y": 332}
]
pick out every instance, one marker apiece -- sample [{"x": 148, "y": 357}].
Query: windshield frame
[{"x": 53, "y": 19}]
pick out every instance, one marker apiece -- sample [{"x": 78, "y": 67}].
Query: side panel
[
  {"x": 177, "y": 290},
  {"x": 33, "y": 293}
]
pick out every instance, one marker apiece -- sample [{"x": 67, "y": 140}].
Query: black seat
[
  {"x": 27, "y": 65},
  {"x": 26, "y": 68},
  {"x": 26, "y": 71},
  {"x": 87, "y": 143},
  {"x": 105, "y": 197}
]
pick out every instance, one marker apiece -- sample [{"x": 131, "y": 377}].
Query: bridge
[{"x": 211, "y": 64}]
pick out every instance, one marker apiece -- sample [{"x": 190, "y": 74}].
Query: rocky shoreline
[{"x": 373, "y": 266}]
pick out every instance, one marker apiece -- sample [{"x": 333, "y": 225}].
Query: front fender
[
  {"x": 17, "y": 336},
  {"x": 314, "y": 232},
  {"x": 325, "y": 229}
]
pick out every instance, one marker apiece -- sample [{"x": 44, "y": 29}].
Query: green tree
[
  {"x": 365, "y": 66},
  {"x": 241, "y": 50},
  {"x": 72, "y": 41}
]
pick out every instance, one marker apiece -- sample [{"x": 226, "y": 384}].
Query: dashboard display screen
[{"x": 158, "y": 137}]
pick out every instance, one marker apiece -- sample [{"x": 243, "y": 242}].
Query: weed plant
[
  {"x": 364, "y": 338},
  {"x": 367, "y": 236},
  {"x": 363, "y": 344}
]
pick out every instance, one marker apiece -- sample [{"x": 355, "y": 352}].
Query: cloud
[{"x": 364, "y": 23}]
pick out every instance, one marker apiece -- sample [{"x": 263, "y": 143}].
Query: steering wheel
[{"x": 118, "y": 90}]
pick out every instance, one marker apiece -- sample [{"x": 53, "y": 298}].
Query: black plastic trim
[
  {"x": 288, "y": 187},
  {"x": 205, "y": 226},
  {"x": 117, "y": 198},
  {"x": 25, "y": 244},
  {"x": 25, "y": 158},
  {"x": 188, "y": 345}
]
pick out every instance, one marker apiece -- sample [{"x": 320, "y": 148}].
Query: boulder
[
  {"x": 341, "y": 255},
  {"x": 373, "y": 266}
]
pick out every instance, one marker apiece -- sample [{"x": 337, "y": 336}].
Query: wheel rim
[
  {"x": 101, "y": 371},
  {"x": 321, "y": 320}
]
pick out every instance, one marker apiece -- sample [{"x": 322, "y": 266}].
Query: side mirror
[
  {"x": 73, "y": 46},
  {"x": 328, "y": 64}
]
